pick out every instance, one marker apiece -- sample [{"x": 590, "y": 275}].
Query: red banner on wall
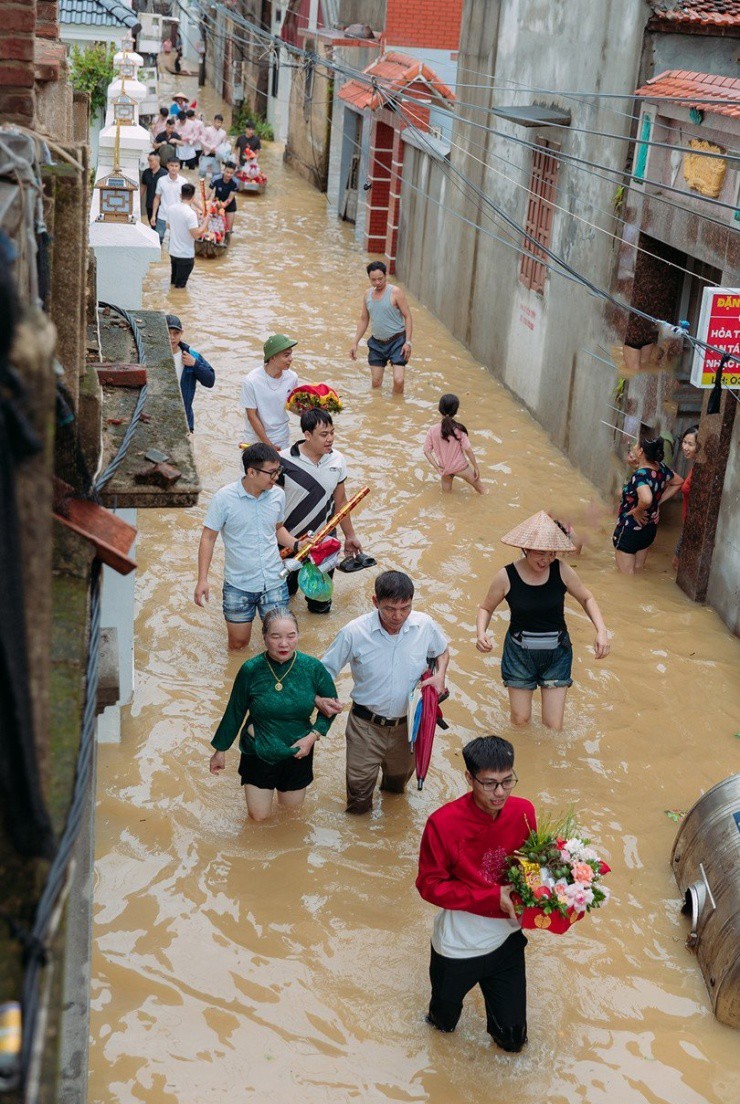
[{"x": 719, "y": 325}]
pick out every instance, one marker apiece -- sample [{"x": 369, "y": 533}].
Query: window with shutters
[{"x": 540, "y": 206}]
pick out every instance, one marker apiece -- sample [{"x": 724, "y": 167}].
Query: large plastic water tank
[{"x": 706, "y": 864}]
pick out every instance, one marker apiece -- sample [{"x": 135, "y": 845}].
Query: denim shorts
[
  {"x": 522, "y": 669},
  {"x": 241, "y": 606},
  {"x": 380, "y": 352}
]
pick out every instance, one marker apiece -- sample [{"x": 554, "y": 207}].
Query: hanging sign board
[{"x": 719, "y": 325}]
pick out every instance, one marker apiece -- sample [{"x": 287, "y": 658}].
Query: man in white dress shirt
[{"x": 388, "y": 651}]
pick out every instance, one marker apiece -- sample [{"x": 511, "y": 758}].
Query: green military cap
[{"x": 278, "y": 343}]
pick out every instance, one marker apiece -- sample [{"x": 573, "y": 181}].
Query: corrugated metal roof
[
  {"x": 704, "y": 91},
  {"x": 97, "y": 13}
]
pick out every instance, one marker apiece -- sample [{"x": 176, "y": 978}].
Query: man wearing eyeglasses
[
  {"x": 476, "y": 938},
  {"x": 249, "y": 515}
]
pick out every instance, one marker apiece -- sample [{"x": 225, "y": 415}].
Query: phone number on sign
[{"x": 729, "y": 379}]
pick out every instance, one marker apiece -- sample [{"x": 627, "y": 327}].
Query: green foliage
[
  {"x": 92, "y": 71},
  {"x": 262, "y": 128}
]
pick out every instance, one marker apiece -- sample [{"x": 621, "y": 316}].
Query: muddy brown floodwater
[{"x": 287, "y": 961}]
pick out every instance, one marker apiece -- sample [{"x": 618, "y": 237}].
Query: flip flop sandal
[
  {"x": 349, "y": 564},
  {"x": 364, "y": 560}
]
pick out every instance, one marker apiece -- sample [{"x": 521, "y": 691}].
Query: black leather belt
[{"x": 384, "y": 722}]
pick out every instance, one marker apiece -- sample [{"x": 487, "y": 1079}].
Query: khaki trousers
[{"x": 372, "y": 747}]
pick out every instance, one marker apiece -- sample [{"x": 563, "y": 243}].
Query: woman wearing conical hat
[{"x": 537, "y": 647}]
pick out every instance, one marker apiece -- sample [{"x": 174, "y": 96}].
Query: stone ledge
[{"x": 166, "y": 428}]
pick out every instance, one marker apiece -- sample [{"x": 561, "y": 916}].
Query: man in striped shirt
[{"x": 314, "y": 474}]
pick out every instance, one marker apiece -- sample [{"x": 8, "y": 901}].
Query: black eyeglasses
[
  {"x": 274, "y": 473},
  {"x": 507, "y": 785}
]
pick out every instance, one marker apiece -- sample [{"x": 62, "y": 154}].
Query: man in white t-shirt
[
  {"x": 184, "y": 229},
  {"x": 166, "y": 196},
  {"x": 265, "y": 392}
]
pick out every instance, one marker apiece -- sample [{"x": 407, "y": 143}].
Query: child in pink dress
[{"x": 448, "y": 450}]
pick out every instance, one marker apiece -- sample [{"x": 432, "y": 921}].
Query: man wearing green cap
[{"x": 265, "y": 392}]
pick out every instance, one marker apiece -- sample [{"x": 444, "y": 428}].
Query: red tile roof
[
  {"x": 697, "y": 13},
  {"x": 393, "y": 72},
  {"x": 694, "y": 90}
]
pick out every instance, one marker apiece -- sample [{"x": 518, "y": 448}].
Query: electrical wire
[
  {"x": 571, "y": 214},
  {"x": 538, "y": 245},
  {"x": 396, "y": 99},
  {"x": 624, "y": 177}
]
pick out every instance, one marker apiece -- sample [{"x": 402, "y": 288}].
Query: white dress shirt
[
  {"x": 385, "y": 667},
  {"x": 247, "y": 526}
]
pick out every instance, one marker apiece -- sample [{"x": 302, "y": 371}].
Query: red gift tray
[{"x": 553, "y": 922}]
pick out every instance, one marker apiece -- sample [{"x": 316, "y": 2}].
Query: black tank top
[{"x": 536, "y": 608}]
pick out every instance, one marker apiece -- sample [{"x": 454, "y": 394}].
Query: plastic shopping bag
[{"x": 314, "y": 583}]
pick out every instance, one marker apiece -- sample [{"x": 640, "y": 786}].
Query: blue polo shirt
[{"x": 247, "y": 526}]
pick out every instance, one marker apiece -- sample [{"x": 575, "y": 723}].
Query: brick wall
[
  {"x": 431, "y": 23},
  {"x": 47, "y": 18},
  {"x": 17, "y": 71}
]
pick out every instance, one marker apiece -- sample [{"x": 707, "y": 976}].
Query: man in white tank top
[{"x": 386, "y": 311}]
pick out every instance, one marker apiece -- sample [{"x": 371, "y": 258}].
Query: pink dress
[{"x": 448, "y": 453}]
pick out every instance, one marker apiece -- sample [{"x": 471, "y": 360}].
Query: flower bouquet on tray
[
  {"x": 308, "y": 396},
  {"x": 556, "y": 877}
]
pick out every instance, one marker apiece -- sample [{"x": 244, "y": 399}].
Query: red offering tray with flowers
[
  {"x": 556, "y": 878},
  {"x": 309, "y": 396},
  {"x": 215, "y": 240},
  {"x": 250, "y": 178}
]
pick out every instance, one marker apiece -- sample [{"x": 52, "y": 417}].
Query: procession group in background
[{"x": 181, "y": 139}]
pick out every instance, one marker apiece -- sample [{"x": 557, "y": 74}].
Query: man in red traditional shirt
[{"x": 462, "y": 866}]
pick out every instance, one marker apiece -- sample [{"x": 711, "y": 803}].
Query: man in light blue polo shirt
[
  {"x": 249, "y": 515},
  {"x": 388, "y": 651}
]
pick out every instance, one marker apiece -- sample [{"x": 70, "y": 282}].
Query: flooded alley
[{"x": 288, "y": 961}]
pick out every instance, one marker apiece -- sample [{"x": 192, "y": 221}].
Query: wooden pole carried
[{"x": 325, "y": 530}]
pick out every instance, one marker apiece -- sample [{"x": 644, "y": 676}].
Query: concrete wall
[
  {"x": 541, "y": 346},
  {"x": 694, "y": 53},
  {"x": 362, "y": 11},
  {"x": 724, "y": 578},
  {"x": 311, "y": 106}
]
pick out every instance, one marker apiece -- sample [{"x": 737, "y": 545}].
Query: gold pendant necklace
[{"x": 278, "y": 681}]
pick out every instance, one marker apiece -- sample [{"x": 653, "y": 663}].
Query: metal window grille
[{"x": 543, "y": 187}]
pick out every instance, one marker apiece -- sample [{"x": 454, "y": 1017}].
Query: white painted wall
[{"x": 117, "y": 611}]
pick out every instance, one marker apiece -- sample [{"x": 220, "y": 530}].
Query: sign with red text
[{"x": 719, "y": 325}]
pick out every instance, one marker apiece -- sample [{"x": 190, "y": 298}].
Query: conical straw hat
[{"x": 541, "y": 534}]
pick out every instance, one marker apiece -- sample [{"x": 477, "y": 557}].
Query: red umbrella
[{"x": 431, "y": 716}]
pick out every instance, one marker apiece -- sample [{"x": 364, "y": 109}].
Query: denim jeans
[{"x": 241, "y": 606}]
